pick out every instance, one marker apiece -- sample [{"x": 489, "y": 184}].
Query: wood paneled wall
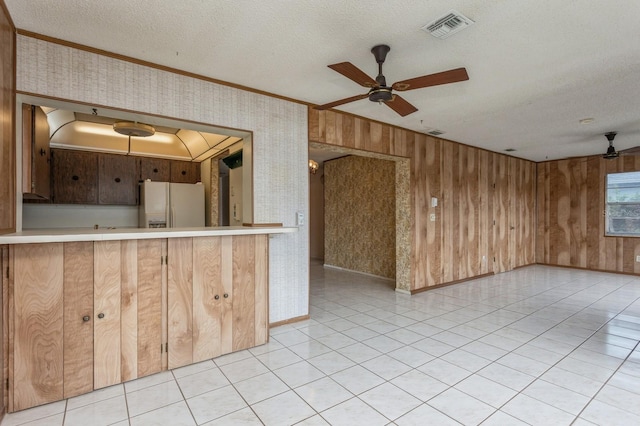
[
  {"x": 486, "y": 201},
  {"x": 571, "y": 221},
  {"x": 7, "y": 120}
]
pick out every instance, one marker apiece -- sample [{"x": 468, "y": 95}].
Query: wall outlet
[
  {"x": 299, "y": 218},
  {"x": 432, "y": 217},
  {"x": 637, "y": 258}
]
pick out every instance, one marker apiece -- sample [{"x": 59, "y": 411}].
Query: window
[{"x": 623, "y": 204}]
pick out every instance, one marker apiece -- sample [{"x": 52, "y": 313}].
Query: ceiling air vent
[
  {"x": 435, "y": 132},
  {"x": 447, "y": 25}
]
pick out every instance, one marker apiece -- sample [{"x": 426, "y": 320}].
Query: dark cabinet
[
  {"x": 36, "y": 157},
  {"x": 75, "y": 177},
  {"x": 156, "y": 169},
  {"x": 117, "y": 179},
  {"x": 185, "y": 172}
]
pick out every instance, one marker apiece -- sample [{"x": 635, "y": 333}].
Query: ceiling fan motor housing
[{"x": 380, "y": 94}]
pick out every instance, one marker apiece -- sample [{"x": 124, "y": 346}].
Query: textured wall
[
  {"x": 360, "y": 214},
  {"x": 571, "y": 223},
  {"x": 280, "y": 185}
]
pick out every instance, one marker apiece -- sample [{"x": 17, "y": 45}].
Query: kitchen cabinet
[
  {"x": 217, "y": 296},
  {"x": 86, "y": 315},
  {"x": 75, "y": 177},
  {"x": 117, "y": 179},
  {"x": 36, "y": 157},
  {"x": 185, "y": 172},
  {"x": 156, "y": 169}
]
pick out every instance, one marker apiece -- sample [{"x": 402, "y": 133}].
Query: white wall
[{"x": 279, "y": 142}]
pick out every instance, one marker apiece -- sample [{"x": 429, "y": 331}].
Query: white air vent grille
[
  {"x": 435, "y": 132},
  {"x": 447, "y": 25}
]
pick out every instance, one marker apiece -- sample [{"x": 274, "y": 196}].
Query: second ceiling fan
[{"x": 378, "y": 89}]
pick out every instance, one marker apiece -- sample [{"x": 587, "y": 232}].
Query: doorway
[{"x": 400, "y": 252}]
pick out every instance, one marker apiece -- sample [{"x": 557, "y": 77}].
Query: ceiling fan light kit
[{"x": 378, "y": 89}]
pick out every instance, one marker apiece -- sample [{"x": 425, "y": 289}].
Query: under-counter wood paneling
[
  {"x": 78, "y": 318},
  {"x": 571, "y": 221},
  {"x": 7, "y": 121},
  {"x": 474, "y": 188},
  {"x": 38, "y": 327}
]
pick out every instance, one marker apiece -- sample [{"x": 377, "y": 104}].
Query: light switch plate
[{"x": 299, "y": 218}]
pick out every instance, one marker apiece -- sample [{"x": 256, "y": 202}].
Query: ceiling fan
[
  {"x": 378, "y": 89},
  {"x": 611, "y": 151}
]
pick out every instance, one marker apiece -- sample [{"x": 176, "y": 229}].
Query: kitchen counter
[{"x": 106, "y": 234}]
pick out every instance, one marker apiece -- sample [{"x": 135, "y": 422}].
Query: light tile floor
[{"x": 538, "y": 345}]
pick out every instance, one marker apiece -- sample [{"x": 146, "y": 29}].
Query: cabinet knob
[
  {"x": 216, "y": 297},
  {"x": 155, "y": 170},
  {"x": 75, "y": 177},
  {"x": 226, "y": 295},
  {"x": 184, "y": 172},
  {"x": 117, "y": 180},
  {"x": 100, "y": 315},
  {"x": 43, "y": 152},
  {"x": 86, "y": 318}
]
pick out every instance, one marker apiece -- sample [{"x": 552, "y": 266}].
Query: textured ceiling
[{"x": 536, "y": 67}]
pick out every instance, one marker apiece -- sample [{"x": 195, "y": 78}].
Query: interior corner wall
[
  {"x": 360, "y": 214},
  {"x": 279, "y": 142},
  {"x": 571, "y": 223},
  {"x": 484, "y": 220}
]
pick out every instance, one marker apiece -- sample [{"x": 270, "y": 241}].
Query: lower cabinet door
[
  {"x": 180, "y": 301},
  {"x": 106, "y": 329},
  {"x": 208, "y": 297},
  {"x": 78, "y": 318},
  {"x": 38, "y": 325}
]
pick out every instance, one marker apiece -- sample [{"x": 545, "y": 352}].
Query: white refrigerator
[{"x": 171, "y": 205}]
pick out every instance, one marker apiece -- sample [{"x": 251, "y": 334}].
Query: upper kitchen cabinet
[
  {"x": 117, "y": 179},
  {"x": 156, "y": 169},
  {"x": 185, "y": 172},
  {"x": 75, "y": 177},
  {"x": 36, "y": 157}
]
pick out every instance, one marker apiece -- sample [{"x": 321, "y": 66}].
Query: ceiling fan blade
[
  {"x": 444, "y": 77},
  {"x": 401, "y": 106},
  {"x": 630, "y": 151},
  {"x": 341, "y": 102},
  {"x": 353, "y": 73}
]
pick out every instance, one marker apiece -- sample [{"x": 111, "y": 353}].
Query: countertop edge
[{"x": 69, "y": 235}]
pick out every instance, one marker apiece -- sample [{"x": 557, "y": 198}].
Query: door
[
  {"x": 150, "y": 312},
  {"x": 78, "y": 318},
  {"x": 38, "y": 325},
  {"x": 75, "y": 177},
  {"x": 185, "y": 172},
  {"x": 117, "y": 179},
  {"x": 180, "y": 301},
  {"x": 209, "y": 301},
  {"x": 156, "y": 169},
  {"x": 106, "y": 300}
]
